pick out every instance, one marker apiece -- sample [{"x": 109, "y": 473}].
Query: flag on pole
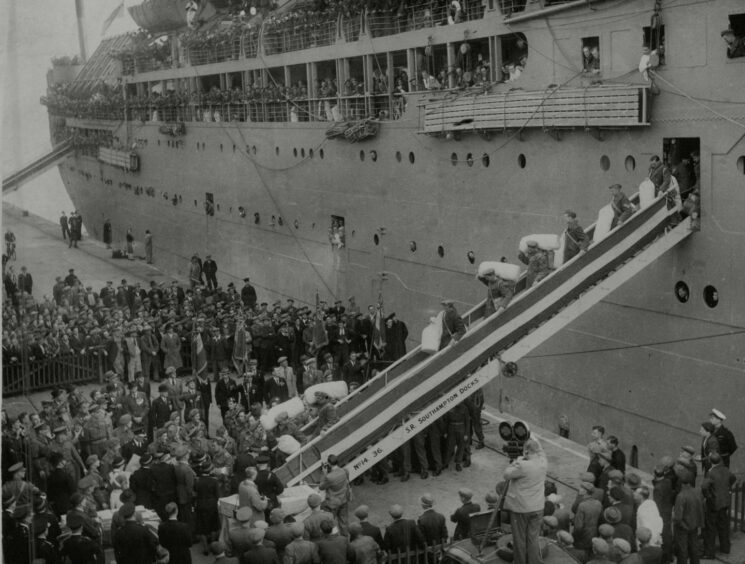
[
  {"x": 198, "y": 354},
  {"x": 378, "y": 329},
  {"x": 117, "y": 13}
]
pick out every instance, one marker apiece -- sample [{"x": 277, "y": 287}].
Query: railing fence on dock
[
  {"x": 27, "y": 377},
  {"x": 737, "y": 506}
]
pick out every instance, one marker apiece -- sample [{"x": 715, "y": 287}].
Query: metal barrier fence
[
  {"x": 35, "y": 375},
  {"x": 737, "y": 506}
]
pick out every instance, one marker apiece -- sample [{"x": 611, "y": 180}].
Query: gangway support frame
[{"x": 38, "y": 166}]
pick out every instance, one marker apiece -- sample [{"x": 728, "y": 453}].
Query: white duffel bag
[
  {"x": 432, "y": 334},
  {"x": 646, "y": 193},
  {"x": 504, "y": 270},
  {"x": 547, "y": 242},
  {"x": 603, "y": 224},
  {"x": 288, "y": 444},
  {"x": 336, "y": 390},
  {"x": 293, "y": 407}
]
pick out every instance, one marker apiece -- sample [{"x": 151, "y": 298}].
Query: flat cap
[
  {"x": 606, "y": 530},
  {"x": 613, "y": 186},
  {"x": 622, "y": 545},
  {"x": 396, "y": 511},
  {"x": 427, "y": 500},
  {"x": 615, "y": 475},
  {"x": 599, "y": 546},
  {"x": 243, "y": 514},
  {"x": 314, "y": 500},
  {"x": 633, "y": 480},
  {"x": 612, "y": 515},
  {"x": 564, "y": 537},
  {"x": 465, "y": 493},
  {"x": 689, "y": 449},
  {"x": 362, "y": 512}
]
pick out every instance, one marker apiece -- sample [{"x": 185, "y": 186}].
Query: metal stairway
[
  {"x": 58, "y": 153},
  {"x": 413, "y": 393}
]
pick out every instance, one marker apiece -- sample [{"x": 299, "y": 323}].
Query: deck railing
[{"x": 26, "y": 377}]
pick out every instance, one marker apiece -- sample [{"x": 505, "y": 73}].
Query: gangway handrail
[
  {"x": 415, "y": 356},
  {"x": 37, "y": 166},
  {"x": 572, "y": 278}
]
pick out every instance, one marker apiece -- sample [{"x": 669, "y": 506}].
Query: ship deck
[{"x": 41, "y": 248}]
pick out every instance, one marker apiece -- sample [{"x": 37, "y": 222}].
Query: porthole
[
  {"x": 257, "y": 218},
  {"x": 253, "y": 149},
  {"x": 521, "y": 161},
  {"x": 376, "y": 239},
  {"x": 302, "y": 152},
  {"x": 485, "y": 160},
  {"x": 294, "y": 152},
  {"x": 630, "y": 163},
  {"x": 374, "y": 155},
  {"x": 296, "y": 223},
  {"x": 605, "y": 162},
  {"x": 441, "y": 251},
  {"x": 469, "y": 159},
  {"x": 398, "y": 156},
  {"x": 454, "y": 159},
  {"x": 741, "y": 164},
  {"x": 682, "y": 292},
  {"x": 234, "y": 148},
  {"x": 362, "y": 156},
  {"x": 195, "y": 203},
  {"x": 310, "y": 153},
  {"x": 158, "y": 142},
  {"x": 412, "y": 158},
  {"x": 471, "y": 257},
  {"x": 221, "y": 147},
  {"x": 320, "y": 153},
  {"x": 711, "y": 296},
  {"x": 276, "y": 150},
  {"x": 412, "y": 246}
]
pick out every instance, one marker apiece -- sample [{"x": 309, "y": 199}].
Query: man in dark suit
[
  {"x": 248, "y": 294},
  {"x": 725, "y": 438},
  {"x": 401, "y": 536},
  {"x": 209, "y": 269},
  {"x": 716, "y": 489},
  {"x": 164, "y": 491},
  {"x": 175, "y": 537},
  {"x": 368, "y": 529},
  {"x": 431, "y": 523},
  {"x": 160, "y": 410},
  {"x": 276, "y": 387},
  {"x": 134, "y": 543},
  {"x": 462, "y": 515},
  {"x": 333, "y": 548},
  {"x": 79, "y": 548},
  {"x": 141, "y": 482},
  {"x": 225, "y": 389},
  {"x": 351, "y": 371}
]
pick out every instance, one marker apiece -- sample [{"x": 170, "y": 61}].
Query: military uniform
[
  {"x": 727, "y": 443},
  {"x": 97, "y": 431}
]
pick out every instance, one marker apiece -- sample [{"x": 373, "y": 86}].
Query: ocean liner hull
[{"x": 644, "y": 364}]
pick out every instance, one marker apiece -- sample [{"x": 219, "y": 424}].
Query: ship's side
[{"x": 643, "y": 363}]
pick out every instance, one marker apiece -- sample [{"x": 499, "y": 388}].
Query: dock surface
[{"x": 41, "y": 249}]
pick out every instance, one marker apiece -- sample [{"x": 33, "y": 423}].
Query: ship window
[
  {"x": 412, "y": 246},
  {"x": 158, "y": 142},
  {"x": 485, "y": 160},
  {"x": 362, "y": 156},
  {"x": 737, "y": 37},
  {"x": 591, "y": 55},
  {"x": 469, "y": 159},
  {"x": 711, "y": 296},
  {"x": 605, "y": 162},
  {"x": 441, "y": 251},
  {"x": 374, "y": 155},
  {"x": 454, "y": 158},
  {"x": 682, "y": 292},
  {"x": 654, "y": 39},
  {"x": 514, "y": 49},
  {"x": 412, "y": 158},
  {"x": 253, "y": 149},
  {"x": 294, "y": 151},
  {"x": 221, "y": 147},
  {"x": 376, "y": 239},
  {"x": 398, "y": 156},
  {"x": 302, "y": 152},
  {"x": 234, "y": 148},
  {"x": 310, "y": 153},
  {"x": 336, "y": 233},
  {"x": 741, "y": 164},
  {"x": 521, "y": 161},
  {"x": 630, "y": 163},
  {"x": 471, "y": 257},
  {"x": 320, "y": 153},
  {"x": 276, "y": 150}
]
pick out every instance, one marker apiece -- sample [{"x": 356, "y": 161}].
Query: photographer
[{"x": 338, "y": 492}]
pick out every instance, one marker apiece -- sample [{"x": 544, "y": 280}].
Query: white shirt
[{"x": 649, "y": 516}]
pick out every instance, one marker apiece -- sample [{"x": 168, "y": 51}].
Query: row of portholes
[
  {"x": 710, "y": 295},
  {"x": 298, "y": 153},
  {"x": 470, "y": 255}
]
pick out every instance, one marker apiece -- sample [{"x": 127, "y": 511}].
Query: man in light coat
[{"x": 525, "y": 500}]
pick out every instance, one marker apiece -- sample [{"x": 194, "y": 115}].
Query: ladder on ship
[
  {"x": 413, "y": 393},
  {"x": 58, "y": 153}
]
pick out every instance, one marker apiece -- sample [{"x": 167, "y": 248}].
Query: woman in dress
[{"x": 207, "y": 490}]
